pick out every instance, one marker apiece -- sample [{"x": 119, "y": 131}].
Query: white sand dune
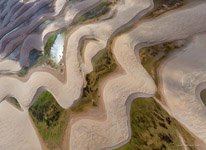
[
  {"x": 114, "y": 129},
  {"x": 183, "y": 77},
  {"x": 64, "y": 93},
  {"x": 178, "y": 82},
  {"x": 9, "y": 65},
  {"x": 103, "y": 31},
  {"x": 16, "y": 131}
]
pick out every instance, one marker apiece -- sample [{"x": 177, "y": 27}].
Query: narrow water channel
[{"x": 203, "y": 96}]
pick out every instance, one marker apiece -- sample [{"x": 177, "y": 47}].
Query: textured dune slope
[
  {"x": 25, "y": 26},
  {"x": 181, "y": 87}
]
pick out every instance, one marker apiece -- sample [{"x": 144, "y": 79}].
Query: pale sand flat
[
  {"x": 16, "y": 131},
  {"x": 181, "y": 78},
  {"x": 114, "y": 130},
  {"x": 118, "y": 91}
]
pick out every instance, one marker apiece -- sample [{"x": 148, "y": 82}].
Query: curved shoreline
[
  {"x": 117, "y": 91},
  {"x": 186, "y": 81},
  {"x": 122, "y": 57}
]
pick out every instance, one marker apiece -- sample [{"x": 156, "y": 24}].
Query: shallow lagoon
[{"x": 58, "y": 48}]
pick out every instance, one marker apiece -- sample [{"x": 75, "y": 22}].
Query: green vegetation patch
[
  {"x": 50, "y": 119},
  {"x": 45, "y": 58},
  {"x": 23, "y": 71},
  {"x": 103, "y": 8},
  {"x": 50, "y": 43},
  {"x": 14, "y": 102},
  {"x": 203, "y": 96},
  {"x": 152, "y": 56},
  {"x": 103, "y": 64},
  {"x": 154, "y": 129},
  {"x": 41, "y": 58},
  {"x": 162, "y": 6}
]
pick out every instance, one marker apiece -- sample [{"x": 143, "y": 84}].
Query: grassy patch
[
  {"x": 103, "y": 64},
  {"x": 93, "y": 14},
  {"x": 151, "y": 57},
  {"x": 50, "y": 43},
  {"x": 162, "y": 6},
  {"x": 50, "y": 119},
  {"x": 45, "y": 57},
  {"x": 14, "y": 102},
  {"x": 23, "y": 72},
  {"x": 153, "y": 128}
]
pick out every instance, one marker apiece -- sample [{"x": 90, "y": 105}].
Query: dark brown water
[{"x": 203, "y": 96}]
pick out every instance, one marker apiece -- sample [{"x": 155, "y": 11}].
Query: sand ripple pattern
[{"x": 119, "y": 90}]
